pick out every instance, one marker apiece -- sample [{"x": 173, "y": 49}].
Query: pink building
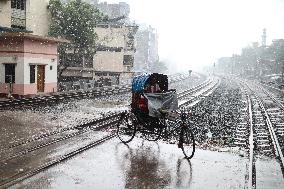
[{"x": 28, "y": 64}]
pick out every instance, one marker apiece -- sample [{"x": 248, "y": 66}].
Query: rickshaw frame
[{"x": 174, "y": 126}]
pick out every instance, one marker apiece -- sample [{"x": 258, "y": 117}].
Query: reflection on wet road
[
  {"x": 142, "y": 164},
  {"x": 145, "y": 169}
]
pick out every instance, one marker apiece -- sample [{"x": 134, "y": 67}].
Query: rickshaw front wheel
[
  {"x": 187, "y": 142},
  {"x": 126, "y": 128}
]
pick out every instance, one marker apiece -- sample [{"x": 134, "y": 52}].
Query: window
[
  {"x": 50, "y": 67},
  {"x": 10, "y": 73},
  {"x": 128, "y": 60},
  {"x": 18, "y": 16},
  {"x": 32, "y": 73},
  {"x": 18, "y": 4}
]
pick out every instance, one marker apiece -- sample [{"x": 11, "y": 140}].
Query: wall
[
  {"x": 108, "y": 61},
  {"x": 37, "y": 17},
  {"x": 28, "y": 52},
  {"x": 111, "y": 37},
  {"x": 5, "y": 13}
]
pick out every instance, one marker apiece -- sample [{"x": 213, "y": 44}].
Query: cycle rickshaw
[{"x": 154, "y": 114}]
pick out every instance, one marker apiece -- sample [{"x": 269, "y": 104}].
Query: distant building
[
  {"x": 114, "y": 58},
  {"x": 146, "y": 49},
  {"x": 224, "y": 65},
  {"x": 28, "y": 59},
  {"x": 113, "y": 10}
]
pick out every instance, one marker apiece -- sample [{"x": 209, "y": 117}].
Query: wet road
[{"x": 143, "y": 164}]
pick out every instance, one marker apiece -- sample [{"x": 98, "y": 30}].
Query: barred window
[
  {"x": 10, "y": 73},
  {"x": 32, "y": 73},
  {"x": 18, "y": 4}
]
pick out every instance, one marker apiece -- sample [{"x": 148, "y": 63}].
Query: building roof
[
  {"x": 32, "y": 36},
  {"x": 5, "y": 29}
]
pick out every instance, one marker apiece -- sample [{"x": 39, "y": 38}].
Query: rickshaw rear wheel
[
  {"x": 154, "y": 134},
  {"x": 187, "y": 142},
  {"x": 126, "y": 128}
]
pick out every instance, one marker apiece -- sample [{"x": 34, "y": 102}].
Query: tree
[
  {"x": 75, "y": 21},
  {"x": 277, "y": 53}
]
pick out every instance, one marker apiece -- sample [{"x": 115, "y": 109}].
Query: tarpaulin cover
[
  {"x": 165, "y": 102},
  {"x": 138, "y": 82}
]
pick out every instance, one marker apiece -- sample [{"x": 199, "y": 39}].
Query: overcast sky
[{"x": 194, "y": 33}]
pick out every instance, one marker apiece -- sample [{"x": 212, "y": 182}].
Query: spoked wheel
[
  {"x": 186, "y": 142},
  {"x": 126, "y": 127},
  {"x": 152, "y": 134}
]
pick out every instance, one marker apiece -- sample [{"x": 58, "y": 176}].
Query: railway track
[
  {"x": 56, "y": 98},
  {"x": 191, "y": 91},
  {"x": 21, "y": 176},
  {"x": 84, "y": 129},
  {"x": 28, "y": 148},
  {"x": 204, "y": 88},
  {"x": 105, "y": 119},
  {"x": 51, "y": 138},
  {"x": 259, "y": 132}
]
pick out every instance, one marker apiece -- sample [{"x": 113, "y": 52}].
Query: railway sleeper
[
  {"x": 240, "y": 139},
  {"x": 280, "y": 125},
  {"x": 280, "y": 133},
  {"x": 242, "y": 132},
  {"x": 262, "y": 138},
  {"x": 261, "y": 130},
  {"x": 263, "y": 143},
  {"x": 242, "y": 128},
  {"x": 240, "y": 144}
]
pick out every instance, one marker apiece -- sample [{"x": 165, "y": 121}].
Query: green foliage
[
  {"x": 277, "y": 50},
  {"x": 75, "y": 21}
]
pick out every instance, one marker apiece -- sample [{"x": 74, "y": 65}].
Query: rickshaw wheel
[
  {"x": 152, "y": 135},
  {"x": 187, "y": 142},
  {"x": 126, "y": 128}
]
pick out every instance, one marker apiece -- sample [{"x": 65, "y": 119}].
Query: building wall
[
  {"x": 31, "y": 52},
  {"x": 111, "y": 60},
  {"x": 147, "y": 48},
  {"x": 112, "y": 37},
  {"x": 40, "y": 48},
  {"x": 37, "y": 17},
  {"x": 113, "y": 10},
  {"x": 5, "y": 13},
  {"x": 108, "y": 61}
]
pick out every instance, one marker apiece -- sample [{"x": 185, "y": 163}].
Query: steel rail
[
  {"x": 251, "y": 179},
  {"x": 194, "y": 89},
  {"x": 45, "y": 135},
  {"x": 275, "y": 142},
  {"x": 274, "y": 99},
  {"x": 97, "y": 92},
  {"x": 251, "y": 175},
  {"x": 21, "y": 176},
  {"x": 17, "y": 178},
  {"x": 56, "y": 140},
  {"x": 273, "y": 135},
  {"x": 197, "y": 97}
]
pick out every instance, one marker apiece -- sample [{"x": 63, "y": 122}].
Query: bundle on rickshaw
[{"x": 151, "y": 96}]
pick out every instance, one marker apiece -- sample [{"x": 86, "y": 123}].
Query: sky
[{"x": 195, "y": 33}]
